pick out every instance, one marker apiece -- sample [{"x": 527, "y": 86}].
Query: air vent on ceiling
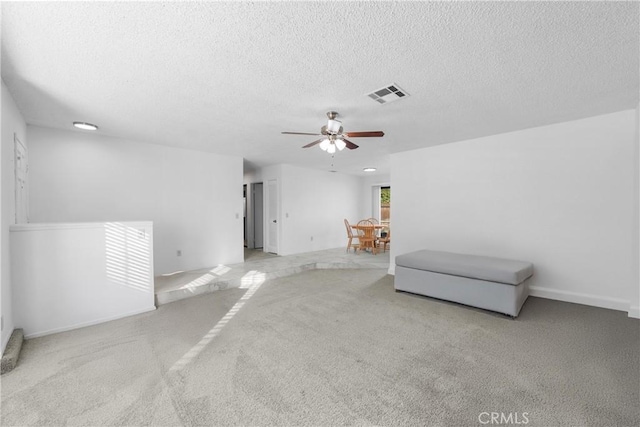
[{"x": 387, "y": 94}]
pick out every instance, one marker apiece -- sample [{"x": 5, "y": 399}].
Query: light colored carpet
[
  {"x": 332, "y": 347},
  {"x": 257, "y": 254}
]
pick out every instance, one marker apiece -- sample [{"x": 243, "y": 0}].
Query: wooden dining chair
[
  {"x": 351, "y": 236},
  {"x": 367, "y": 235},
  {"x": 385, "y": 240},
  {"x": 375, "y": 222}
]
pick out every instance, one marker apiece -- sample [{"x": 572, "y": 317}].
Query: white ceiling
[{"x": 229, "y": 77}]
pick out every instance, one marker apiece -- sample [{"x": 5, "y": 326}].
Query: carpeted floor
[
  {"x": 257, "y": 254},
  {"x": 333, "y": 347}
]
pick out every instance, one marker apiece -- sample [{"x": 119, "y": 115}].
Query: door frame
[
  {"x": 269, "y": 200},
  {"x": 251, "y": 215},
  {"x": 21, "y": 209},
  {"x": 257, "y": 213}
]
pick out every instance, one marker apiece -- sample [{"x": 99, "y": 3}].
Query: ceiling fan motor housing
[
  {"x": 334, "y": 127},
  {"x": 326, "y": 131}
]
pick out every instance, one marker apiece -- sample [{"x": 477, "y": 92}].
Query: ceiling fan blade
[
  {"x": 350, "y": 145},
  {"x": 311, "y": 144},
  {"x": 299, "y": 133},
  {"x": 372, "y": 133}
]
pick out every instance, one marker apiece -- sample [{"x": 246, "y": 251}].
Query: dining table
[
  {"x": 369, "y": 230},
  {"x": 365, "y": 227}
]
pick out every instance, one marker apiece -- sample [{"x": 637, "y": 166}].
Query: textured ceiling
[{"x": 229, "y": 77}]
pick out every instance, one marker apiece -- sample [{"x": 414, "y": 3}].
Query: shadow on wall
[
  {"x": 35, "y": 95},
  {"x": 128, "y": 256}
]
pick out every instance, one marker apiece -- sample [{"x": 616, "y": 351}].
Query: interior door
[
  {"x": 258, "y": 215},
  {"x": 272, "y": 216},
  {"x": 246, "y": 220},
  {"x": 21, "y": 182}
]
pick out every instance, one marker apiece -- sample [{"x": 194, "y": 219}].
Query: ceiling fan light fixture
[
  {"x": 332, "y": 138},
  {"x": 333, "y": 126}
]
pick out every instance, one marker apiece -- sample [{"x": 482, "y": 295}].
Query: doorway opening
[
  {"x": 258, "y": 215},
  {"x": 244, "y": 209},
  {"x": 272, "y": 215},
  {"x": 253, "y": 215},
  {"x": 385, "y": 206}
]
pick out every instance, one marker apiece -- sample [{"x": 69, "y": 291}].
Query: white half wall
[
  {"x": 12, "y": 123},
  {"x": 193, "y": 198},
  {"x": 559, "y": 196},
  {"x": 68, "y": 276}
]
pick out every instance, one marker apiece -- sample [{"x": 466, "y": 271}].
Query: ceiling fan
[{"x": 333, "y": 136}]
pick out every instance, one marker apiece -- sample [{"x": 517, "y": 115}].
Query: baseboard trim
[
  {"x": 392, "y": 270},
  {"x": 90, "y": 323},
  {"x": 634, "y": 311},
  {"x": 580, "y": 298}
]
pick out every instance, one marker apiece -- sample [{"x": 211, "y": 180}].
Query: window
[{"x": 385, "y": 205}]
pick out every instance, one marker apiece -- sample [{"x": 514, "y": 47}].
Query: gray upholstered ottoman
[{"x": 490, "y": 283}]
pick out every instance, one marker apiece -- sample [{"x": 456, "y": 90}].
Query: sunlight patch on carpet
[{"x": 251, "y": 282}]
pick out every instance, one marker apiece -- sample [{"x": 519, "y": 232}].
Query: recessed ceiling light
[
  {"x": 369, "y": 169},
  {"x": 85, "y": 126}
]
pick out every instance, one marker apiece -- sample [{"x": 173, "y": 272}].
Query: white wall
[
  {"x": 368, "y": 205},
  {"x": 12, "y": 123},
  {"x": 67, "y": 276},
  {"x": 311, "y": 203},
  {"x": 560, "y": 196},
  {"x": 314, "y": 204},
  {"x": 193, "y": 198}
]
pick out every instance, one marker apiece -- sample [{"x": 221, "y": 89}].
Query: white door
[
  {"x": 258, "y": 215},
  {"x": 22, "y": 182},
  {"x": 272, "y": 216}
]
